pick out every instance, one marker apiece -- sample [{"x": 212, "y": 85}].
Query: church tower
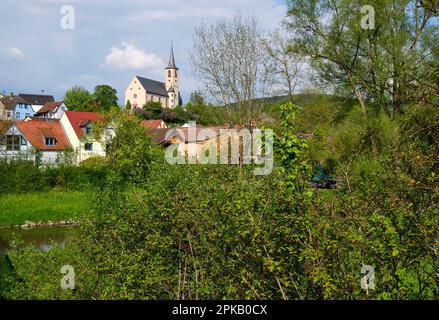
[{"x": 172, "y": 81}]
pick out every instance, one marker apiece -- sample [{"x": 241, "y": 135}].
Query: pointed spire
[{"x": 171, "y": 64}]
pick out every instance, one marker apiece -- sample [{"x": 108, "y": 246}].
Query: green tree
[
  {"x": 78, "y": 99},
  {"x": 197, "y": 99},
  {"x": 379, "y": 65},
  {"x": 105, "y": 97},
  {"x": 128, "y": 106}
]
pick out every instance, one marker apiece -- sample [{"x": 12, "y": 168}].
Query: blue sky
[{"x": 113, "y": 40}]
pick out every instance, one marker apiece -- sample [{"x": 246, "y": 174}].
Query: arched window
[
  {"x": 169, "y": 73},
  {"x": 176, "y": 73}
]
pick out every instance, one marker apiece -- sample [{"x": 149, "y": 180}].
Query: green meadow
[{"x": 16, "y": 208}]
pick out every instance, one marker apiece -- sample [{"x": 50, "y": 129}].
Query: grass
[{"x": 40, "y": 206}]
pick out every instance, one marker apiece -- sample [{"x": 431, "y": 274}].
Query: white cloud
[
  {"x": 130, "y": 57},
  {"x": 15, "y": 53}
]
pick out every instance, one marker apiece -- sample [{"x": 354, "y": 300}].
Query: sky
[{"x": 111, "y": 40}]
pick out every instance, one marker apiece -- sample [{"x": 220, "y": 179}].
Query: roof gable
[
  {"x": 79, "y": 120},
  {"x": 10, "y": 102},
  {"x": 50, "y": 107},
  {"x": 152, "y": 124}
]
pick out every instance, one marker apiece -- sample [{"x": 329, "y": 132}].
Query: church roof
[
  {"x": 154, "y": 87},
  {"x": 171, "y": 64}
]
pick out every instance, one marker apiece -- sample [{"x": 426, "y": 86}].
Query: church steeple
[
  {"x": 171, "y": 63},
  {"x": 172, "y": 82}
]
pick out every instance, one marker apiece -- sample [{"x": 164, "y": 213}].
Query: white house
[
  {"x": 78, "y": 127},
  {"x": 37, "y": 139},
  {"x": 52, "y": 110}
]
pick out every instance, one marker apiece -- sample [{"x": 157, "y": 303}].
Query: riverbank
[{"x": 37, "y": 209}]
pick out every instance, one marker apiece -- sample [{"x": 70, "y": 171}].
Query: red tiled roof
[
  {"x": 50, "y": 107},
  {"x": 35, "y": 131},
  {"x": 79, "y": 119},
  {"x": 152, "y": 124}
]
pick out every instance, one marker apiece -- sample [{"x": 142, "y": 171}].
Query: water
[{"x": 44, "y": 238}]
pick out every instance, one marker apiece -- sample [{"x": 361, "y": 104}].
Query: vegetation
[
  {"x": 160, "y": 231},
  {"x": 103, "y": 99},
  {"x": 40, "y": 206}
]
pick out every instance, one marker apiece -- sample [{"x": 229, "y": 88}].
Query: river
[{"x": 43, "y": 237}]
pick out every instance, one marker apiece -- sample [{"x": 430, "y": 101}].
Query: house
[
  {"x": 78, "y": 126},
  {"x": 154, "y": 124},
  {"x": 2, "y": 108},
  {"x": 52, "y": 110},
  {"x": 142, "y": 90},
  {"x": 37, "y": 101},
  {"x": 190, "y": 141},
  {"x": 41, "y": 140},
  {"x": 16, "y": 108}
]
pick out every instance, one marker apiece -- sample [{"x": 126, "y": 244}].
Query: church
[{"x": 142, "y": 90}]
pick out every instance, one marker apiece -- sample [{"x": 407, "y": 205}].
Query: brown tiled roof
[
  {"x": 10, "y": 102},
  {"x": 49, "y": 107},
  {"x": 38, "y": 99},
  {"x": 35, "y": 131}
]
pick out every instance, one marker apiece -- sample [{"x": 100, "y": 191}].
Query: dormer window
[
  {"x": 88, "y": 146},
  {"x": 50, "y": 142}
]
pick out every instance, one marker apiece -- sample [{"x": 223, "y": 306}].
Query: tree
[
  {"x": 197, "y": 98},
  {"x": 228, "y": 57},
  {"x": 128, "y": 106},
  {"x": 379, "y": 63},
  {"x": 105, "y": 97},
  {"x": 78, "y": 99},
  {"x": 282, "y": 66}
]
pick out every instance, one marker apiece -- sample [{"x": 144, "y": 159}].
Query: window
[
  {"x": 176, "y": 73},
  {"x": 13, "y": 143},
  {"x": 169, "y": 73},
  {"x": 135, "y": 96},
  {"x": 27, "y": 115},
  {"x": 8, "y": 114},
  {"x": 17, "y": 115},
  {"x": 20, "y": 106},
  {"x": 88, "y": 147},
  {"x": 50, "y": 142}
]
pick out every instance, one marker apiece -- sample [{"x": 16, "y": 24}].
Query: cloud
[
  {"x": 15, "y": 53},
  {"x": 129, "y": 57}
]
